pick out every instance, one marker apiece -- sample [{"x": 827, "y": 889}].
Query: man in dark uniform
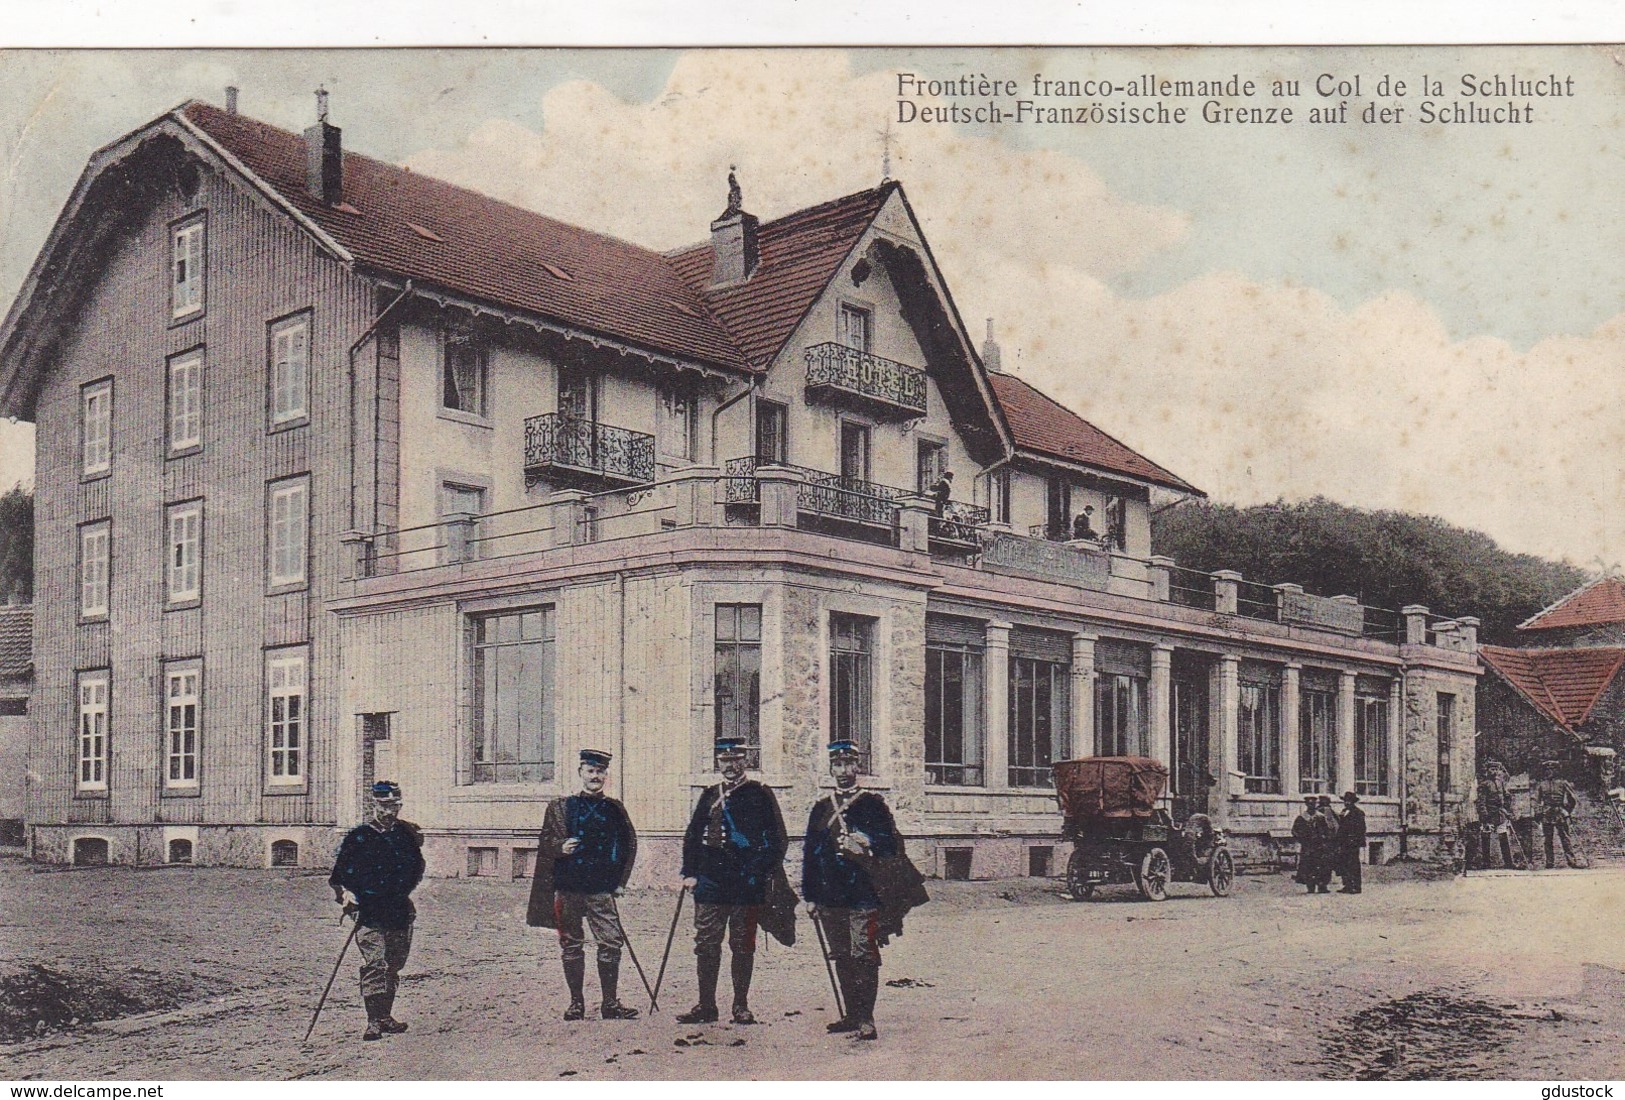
[
  {"x": 847, "y": 833},
  {"x": 1310, "y": 832},
  {"x": 380, "y": 864},
  {"x": 1495, "y": 811},
  {"x": 1331, "y": 849},
  {"x": 1350, "y": 843},
  {"x": 583, "y": 860},
  {"x": 734, "y": 844},
  {"x": 1555, "y": 801}
]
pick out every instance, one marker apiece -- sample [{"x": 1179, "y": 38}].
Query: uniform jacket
[
  {"x": 381, "y": 868},
  {"x": 1311, "y": 832},
  {"x": 828, "y": 875},
  {"x": 1351, "y": 830},
  {"x": 603, "y": 862},
  {"x": 1556, "y": 799},
  {"x": 734, "y": 844}
]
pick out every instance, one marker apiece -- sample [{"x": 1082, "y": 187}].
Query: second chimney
[
  {"x": 991, "y": 356},
  {"x": 733, "y": 240},
  {"x": 324, "y": 156}
]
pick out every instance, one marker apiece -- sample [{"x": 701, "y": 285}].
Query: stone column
[
  {"x": 1225, "y": 592},
  {"x": 996, "y": 707},
  {"x": 460, "y": 529},
  {"x": 1345, "y": 733},
  {"x": 1469, "y": 625},
  {"x": 1416, "y": 623},
  {"x": 1161, "y": 704},
  {"x": 358, "y": 554},
  {"x": 1291, "y": 729},
  {"x": 1083, "y": 694},
  {"x": 694, "y": 493},
  {"x": 778, "y": 490},
  {"x": 1224, "y": 694},
  {"x": 1397, "y": 735},
  {"x": 1284, "y": 593},
  {"x": 914, "y": 524},
  {"x": 567, "y": 511},
  {"x": 1160, "y": 571}
]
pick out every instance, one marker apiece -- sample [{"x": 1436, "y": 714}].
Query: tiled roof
[
  {"x": 1563, "y": 684},
  {"x": 1045, "y": 426},
  {"x": 799, "y": 254},
  {"x": 16, "y": 642},
  {"x": 1599, "y": 602},
  {"x": 485, "y": 249}
]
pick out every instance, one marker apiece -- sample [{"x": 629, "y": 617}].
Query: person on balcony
[
  {"x": 941, "y": 491},
  {"x": 1083, "y": 529}
]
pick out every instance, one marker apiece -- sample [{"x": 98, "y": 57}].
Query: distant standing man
[
  {"x": 1331, "y": 849},
  {"x": 1555, "y": 800},
  {"x": 1495, "y": 811},
  {"x": 1350, "y": 843},
  {"x": 735, "y": 842},
  {"x": 1309, "y": 830},
  {"x": 380, "y": 864},
  {"x": 583, "y": 860},
  {"x": 846, "y": 833}
]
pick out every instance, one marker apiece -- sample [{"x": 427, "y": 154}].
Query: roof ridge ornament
[{"x": 736, "y": 197}]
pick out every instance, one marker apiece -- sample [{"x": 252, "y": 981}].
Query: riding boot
[
  {"x": 705, "y": 1012},
  {"x": 743, "y": 965},
  {"x": 845, "y": 973},
  {"x": 387, "y": 1022},
  {"x": 575, "y": 976},
  {"x": 375, "y": 1015},
  {"x": 868, "y": 986},
  {"x": 609, "y": 974}
]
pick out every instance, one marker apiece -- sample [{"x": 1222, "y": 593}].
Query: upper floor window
[
  {"x": 96, "y": 434},
  {"x": 184, "y": 559},
  {"x": 854, "y": 451},
  {"x": 772, "y": 432},
  {"x": 856, "y": 327},
  {"x": 1445, "y": 725},
  {"x": 287, "y": 525},
  {"x": 290, "y": 369},
  {"x": 462, "y": 373},
  {"x": 510, "y": 732},
  {"x": 186, "y": 401},
  {"x": 95, "y": 556},
  {"x": 186, "y": 269},
  {"x": 998, "y": 491},
  {"x": 738, "y": 675},
  {"x": 183, "y": 701},
  {"x": 91, "y": 774},
  {"x": 678, "y": 417},
  {"x": 931, "y": 462},
  {"x": 286, "y": 692}
]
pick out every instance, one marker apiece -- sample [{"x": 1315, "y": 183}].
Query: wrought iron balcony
[
  {"x": 822, "y": 494},
  {"x": 576, "y": 451},
  {"x": 846, "y": 374},
  {"x": 959, "y": 523}
]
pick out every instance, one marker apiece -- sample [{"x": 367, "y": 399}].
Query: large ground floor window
[
  {"x": 953, "y": 714},
  {"x": 1040, "y": 719},
  {"x": 851, "y": 680},
  {"x": 510, "y": 731},
  {"x": 1122, "y": 721},
  {"x": 1317, "y": 740},
  {"x": 1258, "y": 736},
  {"x": 1371, "y": 744}
]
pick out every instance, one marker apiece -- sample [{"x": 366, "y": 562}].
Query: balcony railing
[
  {"x": 959, "y": 523},
  {"x": 882, "y": 383},
  {"x": 575, "y": 449},
  {"x": 821, "y": 494}
]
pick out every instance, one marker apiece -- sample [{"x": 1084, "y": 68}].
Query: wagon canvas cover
[{"x": 1109, "y": 786}]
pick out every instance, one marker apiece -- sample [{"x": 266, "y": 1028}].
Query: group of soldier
[
  {"x": 1329, "y": 842},
  {"x": 1555, "y": 802},
  {"x": 855, "y": 880}
]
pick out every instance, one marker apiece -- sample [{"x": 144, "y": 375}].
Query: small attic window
[
  {"x": 426, "y": 234},
  {"x": 346, "y": 208},
  {"x": 558, "y": 272}
]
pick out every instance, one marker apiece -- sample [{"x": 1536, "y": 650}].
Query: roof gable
[
  {"x": 1598, "y": 603},
  {"x": 398, "y": 221},
  {"x": 1049, "y": 429},
  {"x": 1563, "y": 684}
]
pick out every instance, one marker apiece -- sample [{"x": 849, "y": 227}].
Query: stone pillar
[
  {"x": 1282, "y": 593},
  {"x": 1225, "y": 582},
  {"x": 694, "y": 493},
  {"x": 1291, "y": 729},
  {"x": 778, "y": 490},
  {"x": 1345, "y": 733},
  {"x": 1416, "y": 623},
  {"x": 1445, "y": 636},
  {"x": 1398, "y": 735},
  {"x": 567, "y": 509},
  {"x": 1469, "y": 625},
  {"x": 1224, "y": 694},
  {"x": 1160, "y": 571},
  {"x": 1161, "y": 704},
  {"x": 460, "y": 529},
  {"x": 1083, "y": 694},
  {"x": 914, "y": 524},
  {"x": 358, "y": 554},
  {"x": 996, "y": 707}
]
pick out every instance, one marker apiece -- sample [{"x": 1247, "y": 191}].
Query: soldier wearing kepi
[
  {"x": 1555, "y": 800},
  {"x": 583, "y": 860},
  {"x": 734, "y": 845},
  {"x": 847, "y": 833},
  {"x": 380, "y": 864}
]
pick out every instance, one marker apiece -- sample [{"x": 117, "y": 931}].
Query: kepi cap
[
  {"x": 385, "y": 791},
  {"x": 730, "y": 746},
  {"x": 842, "y": 748},
  {"x": 596, "y": 757}
]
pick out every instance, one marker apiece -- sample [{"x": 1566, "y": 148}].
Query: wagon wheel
[
  {"x": 1221, "y": 873},
  {"x": 1153, "y": 876},
  {"x": 1076, "y": 885}
]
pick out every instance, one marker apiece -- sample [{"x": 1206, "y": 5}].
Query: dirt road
[{"x": 1488, "y": 977}]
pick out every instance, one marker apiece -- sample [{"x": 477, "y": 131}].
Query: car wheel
[{"x": 1155, "y": 871}]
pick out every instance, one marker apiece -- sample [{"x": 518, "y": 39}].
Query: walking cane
[
  {"x": 654, "y": 1006},
  {"x": 823, "y": 946},
  {"x": 354, "y": 927},
  {"x": 661, "y": 977}
]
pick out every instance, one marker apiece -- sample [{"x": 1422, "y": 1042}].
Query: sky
[{"x": 1413, "y": 315}]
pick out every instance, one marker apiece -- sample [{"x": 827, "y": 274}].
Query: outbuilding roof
[
  {"x": 1563, "y": 684},
  {"x": 1598, "y": 603},
  {"x": 16, "y": 642}
]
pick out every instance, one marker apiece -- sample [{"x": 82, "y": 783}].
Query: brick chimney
[
  {"x": 733, "y": 240},
  {"x": 990, "y": 351},
  {"x": 324, "y": 156},
  {"x": 231, "y": 99}
]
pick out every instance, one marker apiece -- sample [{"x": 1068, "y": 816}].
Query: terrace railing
[
  {"x": 837, "y": 370},
  {"x": 959, "y": 524},
  {"x": 575, "y": 448},
  {"x": 821, "y": 493}
]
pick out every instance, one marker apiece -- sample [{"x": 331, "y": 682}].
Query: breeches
[
  {"x": 599, "y": 912},
  {"x": 712, "y": 919},
  {"x": 853, "y": 934},
  {"x": 383, "y": 954}
]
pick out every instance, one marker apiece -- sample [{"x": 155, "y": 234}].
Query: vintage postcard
[{"x": 884, "y": 563}]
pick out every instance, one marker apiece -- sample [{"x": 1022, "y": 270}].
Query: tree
[
  {"x": 1386, "y": 559},
  {"x": 16, "y": 545}
]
